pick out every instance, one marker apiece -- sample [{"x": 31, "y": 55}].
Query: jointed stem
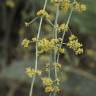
[
  {"x": 32, "y": 21},
  {"x": 36, "y": 61},
  {"x": 55, "y": 36}
]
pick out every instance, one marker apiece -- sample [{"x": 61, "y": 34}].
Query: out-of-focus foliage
[{"x": 86, "y": 22}]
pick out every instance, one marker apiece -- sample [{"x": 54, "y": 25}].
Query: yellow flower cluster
[
  {"x": 47, "y": 81},
  {"x": 57, "y": 65},
  {"x": 51, "y": 66},
  {"x": 63, "y": 28},
  {"x": 65, "y": 5},
  {"x": 56, "y": 89},
  {"x": 43, "y": 13},
  {"x": 75, "y": 45},
  {"x": 30, "y": 72},
  {"x": 25, "y": 43},
  {"x": 72, "y": 37},
  {"x": 61, "y": 50},
  {"x": 80, "y": 7},
  {"x": 49, "y": 87},
  {"x": 45, "y": 45}
]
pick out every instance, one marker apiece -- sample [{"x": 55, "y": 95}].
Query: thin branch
[
  {"x": 32, "y": 21},
  {"x": 67, "y": 23},
  {"x": 50, "y": 22},
  {"x": 36, "y": 61},
  {"x": 55, "y": 36}
]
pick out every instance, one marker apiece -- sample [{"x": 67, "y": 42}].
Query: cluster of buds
[
  {"x": 30, "y": 72},
  {"x": 67, "y": 4},
  {"x": 49, "y": 85},
  {"x": 57, "y": 65},
  {"x": 80, "y": 7},
  {"x": 63, "y": 28},
  {"x": 45, "y": 45},
  {"x": 75, "y": 45},
  {"x": 43, "y": 13},
  {"x": 25, "y": 43}
]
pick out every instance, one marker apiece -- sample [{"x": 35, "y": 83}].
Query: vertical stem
[
  {"x": 36, "y": 61},
  {"x": 67, "y": 23},
  {"x": 55, "y": 37}
]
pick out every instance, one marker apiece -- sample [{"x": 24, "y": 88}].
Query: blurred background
[{"x": 79, "y": 76}]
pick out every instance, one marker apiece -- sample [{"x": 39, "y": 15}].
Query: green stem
[
  {"x": 36, "y": 61},
  {"x": 49, "y": 21},
  {"x": 67, "y": 23},
  {"x": 32, "y": 21},
  {"x": 55, "y": 36}
]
